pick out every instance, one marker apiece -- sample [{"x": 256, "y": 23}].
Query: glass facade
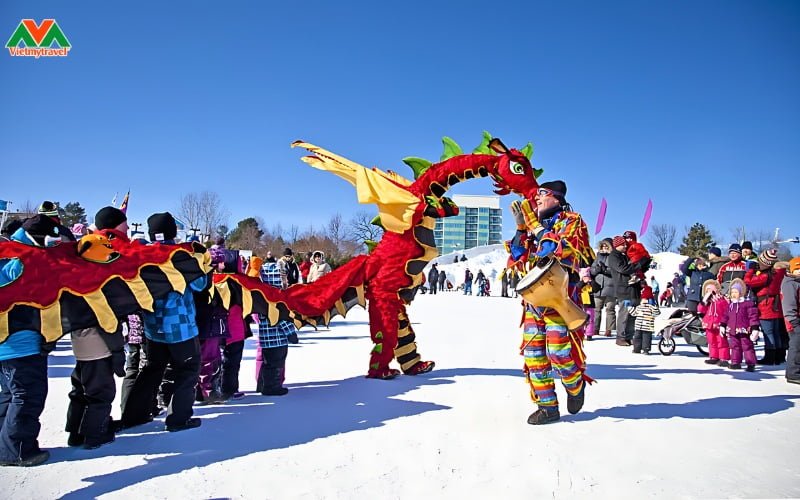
[{"x": 478, "y": 223}]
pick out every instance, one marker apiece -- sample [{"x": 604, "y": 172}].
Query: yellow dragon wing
[{"x": 396, "y": 205}]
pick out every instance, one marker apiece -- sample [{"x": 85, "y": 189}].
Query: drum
[{"x": 546, "y": 286}]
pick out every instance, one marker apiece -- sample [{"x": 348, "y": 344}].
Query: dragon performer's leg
[
  {"x": 406, "y": 351},
  {"x": 393, "y": 336},
  {"x": 383, "y": 324}
]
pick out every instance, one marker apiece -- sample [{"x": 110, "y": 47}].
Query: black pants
[
  {"x": 433, "y": 287},
  {"x": 642, "y": 341},
  {"x": 793, "y": 357},
  {"x": 23, "y": 390},
  {"x": 231, "y": 361},
  {"x": 184, "y": 359},
  {"x": 93, "y": 392},
  {"x": 691, "y": 305},
  {"x": 135, "y": 361},
  {"x": 273, "y": 363}
]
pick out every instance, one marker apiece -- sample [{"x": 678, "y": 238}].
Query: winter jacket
[
  {"x": 90, "y": 344},
  {"x": 714, "y": 312},
  {"x": 621, "y": 271},
  {"x": 645, "y": 314},
  {"x": 442, "y": 278},
  {"x": 602, "y": 276},
  {"x": 696, "y": 279},
  {"x": 304, "y": 268},
  {"x": 715, "y": 264},
  {"x": 790, "y": 297},
  {"x": 741, "y": 316},
  {"x": 766, "y": 285},
  {"x": 173, "y": 317},
  {"x": 318, "y": 270},
  {"x": 730, "y": 271},
  {"x": 236, "y": 325},
  {"x": 290, "y": 274},
  {"x": 25, "y": 342},
  {"x": 273, "y": 336},
  {"x": 433, "y": 276}
]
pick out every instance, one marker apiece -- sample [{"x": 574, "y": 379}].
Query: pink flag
[
  {"x": 646, "y": 220},
  {"x": 601, "y": 217}
]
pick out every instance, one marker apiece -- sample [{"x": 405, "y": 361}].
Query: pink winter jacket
[
  {"x": 236, "y": 324},
  {"x": 741, "y": 315},
  {"x": 714, "y": 313}
]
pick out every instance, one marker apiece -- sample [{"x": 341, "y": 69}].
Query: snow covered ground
[{"x": 652, "y": 426}]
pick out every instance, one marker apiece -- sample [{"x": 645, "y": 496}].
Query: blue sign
[{"x": 3, "y": 205}]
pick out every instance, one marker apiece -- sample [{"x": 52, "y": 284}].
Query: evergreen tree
[
  {"x": 247, "y": 235},
  {"x": 73, "y": 213},
  {"x": 696, "y": 242}
]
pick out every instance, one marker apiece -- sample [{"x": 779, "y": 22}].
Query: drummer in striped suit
[{"x": 552, "y": 230}]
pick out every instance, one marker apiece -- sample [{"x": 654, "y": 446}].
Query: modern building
[{"x": 479, "y": 222}]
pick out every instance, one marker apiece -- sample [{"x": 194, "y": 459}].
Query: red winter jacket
[
  {"x": 767, "y": 287},
  {"x": 730, "y": 271}
]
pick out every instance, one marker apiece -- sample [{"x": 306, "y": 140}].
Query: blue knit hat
[{"x": 716, "y": 251}]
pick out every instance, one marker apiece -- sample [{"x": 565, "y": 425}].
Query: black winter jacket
[
  {"x": 602, "y": 276},
  {"x": 621, "y": 271}
]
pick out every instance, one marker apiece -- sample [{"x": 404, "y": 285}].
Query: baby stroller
[{"x": 682, "y": 323}]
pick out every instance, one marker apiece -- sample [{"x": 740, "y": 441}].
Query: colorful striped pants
[{"x": 546, "y": 348}]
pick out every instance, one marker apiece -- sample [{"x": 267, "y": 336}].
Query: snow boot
[
  {"x": 189, "y": 424},
  {"x": 544, "y": 415},
  {"x": 711, "y": 361},
  {"x": 724, "y": 364},
  {"x": 735, "y": 366},
  {"x": 34, "y": 459},
  {"x": 75, "y": 439},
  {"x": 750, "y": 368},
  {"x": 421, "y": 367},
  {"x": 780, "y": 356},
  {"x": 276, "y": 391},
  {"x": 768, "y": 359},
  {"x": 575, "y": 403},
  {"x": 94, "y": 442},
  {"x": 383, "y": 373}
]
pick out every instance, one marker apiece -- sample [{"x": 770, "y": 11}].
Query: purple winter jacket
[{"x": 742, "y": 315}]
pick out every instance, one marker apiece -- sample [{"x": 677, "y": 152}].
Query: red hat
[
  {"x": 618, "y": 241},
  {"x": 629, "y": 235},
  {"x": 647, "y": 292}
]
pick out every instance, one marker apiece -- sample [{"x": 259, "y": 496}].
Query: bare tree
[
  {"x": 362, "y": 229},
  {"x": 337, "y": 231},
  {"x": 662, "y": 237},
  {"x": 293, "y": 234},
  {"x": 203, "y": 211}
]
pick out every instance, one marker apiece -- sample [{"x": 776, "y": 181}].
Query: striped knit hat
[{"x": 768, "y": 257}]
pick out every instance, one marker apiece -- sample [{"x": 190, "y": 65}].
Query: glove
[
  {"x": 516, "y": 212},
  {"x": 754, "y": 334},
  {"x": 118, "y": 363},
  {"x": 707, "y": 298},
  {"x": 723, "y": 330},
  {"x": 531, "y": 219},
  {"x": 292, "y": 338}
]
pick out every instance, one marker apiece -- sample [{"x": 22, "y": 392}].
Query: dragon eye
[{"x": 517, "y": 168}]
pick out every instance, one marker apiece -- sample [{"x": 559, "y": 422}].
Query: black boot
[
  {"x": 780, "y": 356},
  {"x": 575, "y": 403},
  {"x": 544, "y": 415},
  {"x": 768, "y": 359}
]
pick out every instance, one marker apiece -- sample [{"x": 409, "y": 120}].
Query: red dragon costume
[{"x": 384, "y": 281}]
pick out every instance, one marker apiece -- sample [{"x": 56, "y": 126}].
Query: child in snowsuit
[
  {"x": 714, "y": 307},
  {"x": 588, "y": 287},
  {"x": 637, "y": 255},
  {"x": 738, "y": 324},
  {"x": 645, "y": 314}
]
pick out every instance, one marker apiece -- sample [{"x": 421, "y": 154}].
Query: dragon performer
[{"x": 387, "y": 278}]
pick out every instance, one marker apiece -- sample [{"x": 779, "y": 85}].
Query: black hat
[
  {"x": 735, "y": 248},
  {"x": 748, "y": 245},
  {"x": 40, "y": 227},
  {"x": 288, "y": 251},
  {"x": 716, "y": 251},
  {"x": 109, "y": 218},
  {"x": 162, "y": 227},
  {"x": 559, "y": 188},
  {"x": 48, "y": 208}
]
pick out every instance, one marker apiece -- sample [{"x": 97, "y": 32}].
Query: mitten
[
  {"x": 292, "y": 338},
  {"x": 754, "y": 334},
  {"x": 118, "y": 363},
  {"x": 723, "y": 330}
]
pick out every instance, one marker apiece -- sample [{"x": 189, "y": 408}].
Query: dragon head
[{"x": 512, "y": 172}]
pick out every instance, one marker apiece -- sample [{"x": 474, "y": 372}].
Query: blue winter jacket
[
  {"x": 25, "y": 342},
  {"x": 696, "y": 279},
  {"x": 173, "y": 317}
]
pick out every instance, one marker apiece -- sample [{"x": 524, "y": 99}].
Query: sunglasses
[{"x": 545, "y": 192}]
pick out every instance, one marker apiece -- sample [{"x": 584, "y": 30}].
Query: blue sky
[{"x": 694, "y": 105}]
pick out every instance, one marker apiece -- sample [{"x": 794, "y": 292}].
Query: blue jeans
[
  {"x": 772, "y": 333},
  {"x": 23, "y": 390},
  {"x": 468, "y": 288}
]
